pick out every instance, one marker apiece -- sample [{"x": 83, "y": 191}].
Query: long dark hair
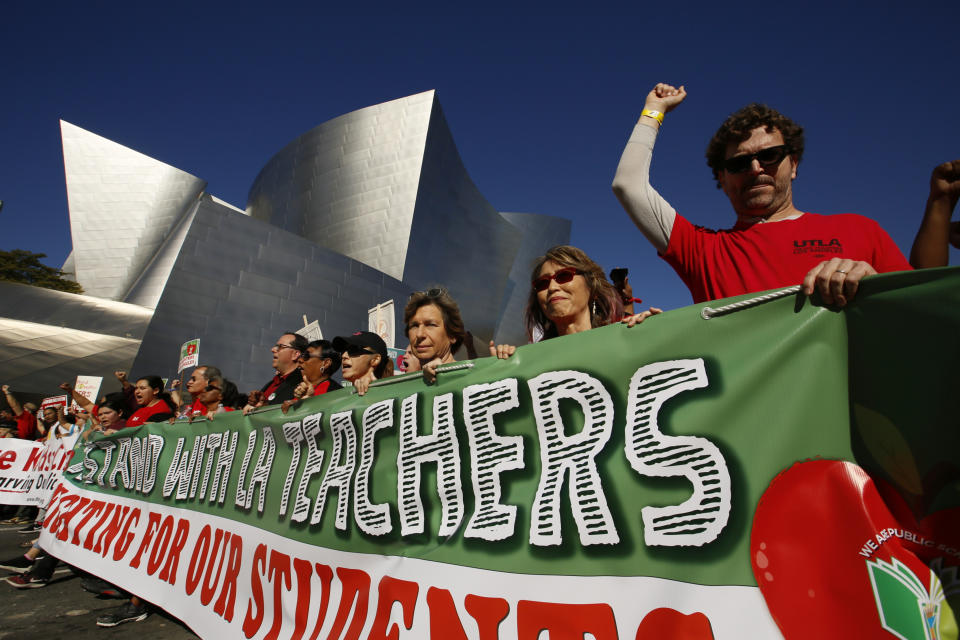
[
  {"x": 606, "y": 306},
  {"x": 118, "y": 404},
  {"x": 230, "y": 396},
  {"x": 156, "y": 383}
]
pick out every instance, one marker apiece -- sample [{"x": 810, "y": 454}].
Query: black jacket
[{"x": 285, "y": 390}]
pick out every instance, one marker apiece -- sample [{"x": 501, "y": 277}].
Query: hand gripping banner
[{"x": 781, "y": 470}]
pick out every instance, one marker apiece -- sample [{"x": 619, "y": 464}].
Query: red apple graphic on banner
[{"x": 830, "y": 559}]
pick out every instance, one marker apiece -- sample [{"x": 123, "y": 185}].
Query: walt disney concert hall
[{"x": 362, "y": 209}]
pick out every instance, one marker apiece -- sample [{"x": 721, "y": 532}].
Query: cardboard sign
[
  {"x": 189, "y": 354},
  {"x": 381, "y": 322},
  {"x": 53, "y": 401},
  {"x": 88, "y": 387}
]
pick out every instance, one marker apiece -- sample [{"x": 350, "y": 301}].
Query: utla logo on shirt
[{"x": 815, "y": 246}]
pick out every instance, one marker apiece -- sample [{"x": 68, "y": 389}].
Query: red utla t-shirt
[{"x": 757, "y": 257}]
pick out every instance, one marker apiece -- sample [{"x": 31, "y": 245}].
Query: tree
[{"x": 25, "y": 267}]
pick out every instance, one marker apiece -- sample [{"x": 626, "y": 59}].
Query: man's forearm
[
  {"x": 649, "y": 211},
  {"x": 930, "y": 246}
]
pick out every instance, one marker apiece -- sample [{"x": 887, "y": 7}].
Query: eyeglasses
[
  {"x": 211, "y": 387},
  {"x": 355, "y": 350},
  {"x": 769, "y": 157},
  {"x": 562, "y": 276},
  {"x": 281, "y": 347}
]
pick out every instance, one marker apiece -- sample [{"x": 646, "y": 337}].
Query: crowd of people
[{"x": 754, "y": 157}]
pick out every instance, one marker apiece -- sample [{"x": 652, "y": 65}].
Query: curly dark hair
[
  {"x": 606, "y": 303},
  {"x": 738, "y": 125}
]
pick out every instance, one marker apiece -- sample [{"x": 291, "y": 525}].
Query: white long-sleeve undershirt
[{"x": 650, "y": 212}]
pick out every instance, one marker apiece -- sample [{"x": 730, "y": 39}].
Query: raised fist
[
  {"x": 665, "y": 97},
  {"x": 945, "y": 181}
]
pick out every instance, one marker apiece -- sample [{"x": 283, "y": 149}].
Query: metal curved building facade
[{"x": 366, "y": 207}]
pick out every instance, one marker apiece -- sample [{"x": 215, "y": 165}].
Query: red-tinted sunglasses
[{"x": 562, "y": 276}]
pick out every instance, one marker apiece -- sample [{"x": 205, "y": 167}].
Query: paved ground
[{"x": 63, "y": 610}]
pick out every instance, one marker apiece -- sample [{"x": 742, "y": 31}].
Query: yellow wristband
[{"x": 650, "y": 113}]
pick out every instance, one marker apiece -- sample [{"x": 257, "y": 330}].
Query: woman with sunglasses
[
  {"x": 435, "y": 329},
  {"x": 217, "y": 397},
  {"x": 320, "y": 362},
  {"x": 569, "y": 293},
  {"x": 363, "y": 358}
]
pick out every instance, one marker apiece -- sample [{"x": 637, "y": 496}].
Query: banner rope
[
  {"x": 413, "y": 375},
  {"x": 419, "y": 374},
  {"x": 709, "y": 312}
]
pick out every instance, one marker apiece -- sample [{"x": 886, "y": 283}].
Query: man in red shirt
[
  {"x": 24, "y": 415},
  {"x": 754, "y": 157}
]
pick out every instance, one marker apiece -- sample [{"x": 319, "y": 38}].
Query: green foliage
[{"x": 25, "y": 267}]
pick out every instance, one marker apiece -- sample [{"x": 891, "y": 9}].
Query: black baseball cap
[{"x": 364, "y": 339}]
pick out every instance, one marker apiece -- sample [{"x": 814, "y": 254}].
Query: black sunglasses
[
  {"x": 562, "y": 276},
  {"x": 211, "y": 387},
  {"x": 769, "y": 157}
]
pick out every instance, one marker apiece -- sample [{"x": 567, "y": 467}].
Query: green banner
[{"x": 723, "y": 477}]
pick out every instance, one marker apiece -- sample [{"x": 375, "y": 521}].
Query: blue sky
[{"x": 540, "y": 104}]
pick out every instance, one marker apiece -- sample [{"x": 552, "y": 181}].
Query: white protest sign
[
  {"x": 380, "y": 320},
  {"x": 311, "y": 331},
  {"x": 53, "y": 401},
  {"x": 88, "y": 387}
]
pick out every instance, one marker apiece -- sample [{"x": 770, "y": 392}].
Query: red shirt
[
  {"x": 196, "y": 408},
  {"x": 26, "y": 425},
  {"x": 321, "y": 388},
  {"x": 140, "y": 415},
  {"x": 772, "y": 255}
]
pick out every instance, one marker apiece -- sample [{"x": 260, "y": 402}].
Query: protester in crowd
[
  {"x": 434, "y": 328},
  {"x": 46, "y": 421},
  {"x": 23, "y": 415},
  {"x": 64, "y": 425},
  {"x": 198, "y": 381},
  {"x": 321, "y": 362},
  {"x": 621, "y": 282},
  {"x": 363, "y": 358},
  {"x": 151, "y": 400},
  {"x": 211, "y": 399},
  {"x": 410, "y": 361},
  {"x": 754, "y": 156},
  {"x": 569, "y": 293},
  {"x": 287, "y": 352},
  {"x": 110, "y": 417},
  {"x": 936, "y": 232},
  {"x": 232, "y": 397},
  {"x": 26, "y": 423},
  {"x": 8, "y": 426}
]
